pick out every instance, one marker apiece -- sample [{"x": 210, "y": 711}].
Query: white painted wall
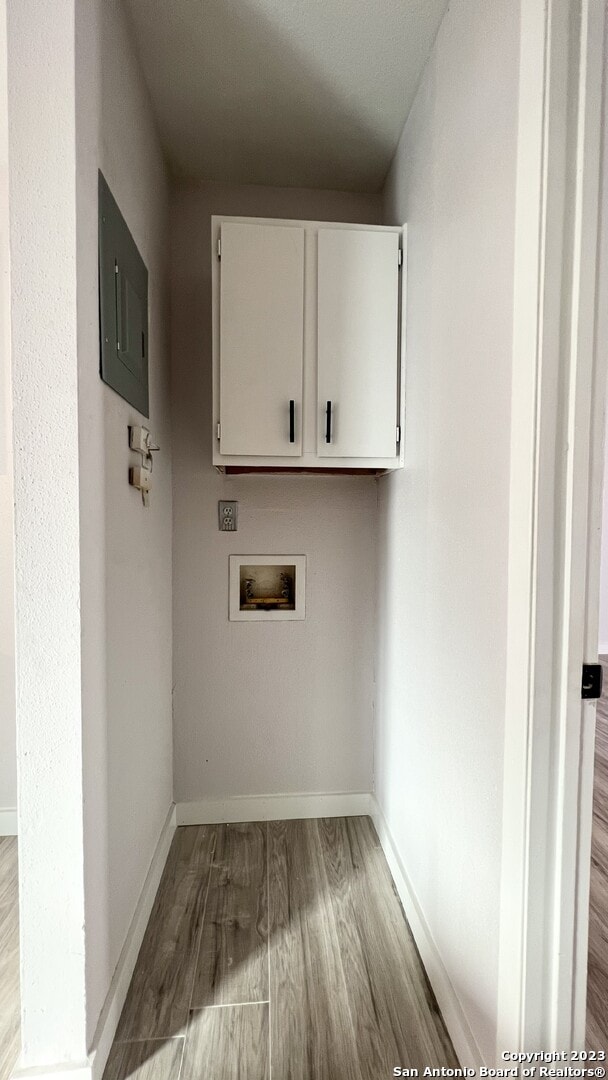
[
  {"x": 279, "y": 707},
  {"x": 125, "y": 548},
  {"x": 603, "y": 637},
  {"x": 602, "y": 338},
  {"x": 42, "y": 172},
  {"x": 603, "y": 633},
  {"x": 93, "y": 566},
  {"x": 443, "y": 522},
  {"x": 8, "y": 761}
]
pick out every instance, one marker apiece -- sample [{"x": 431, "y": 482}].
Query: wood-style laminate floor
[
  {"x": 278, "y": 951},
  {"x": 9, "y": 957},
  {"x": 597, "y": 984}
]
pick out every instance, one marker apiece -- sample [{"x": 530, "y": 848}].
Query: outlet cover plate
[{"x": 228, "y": 516}]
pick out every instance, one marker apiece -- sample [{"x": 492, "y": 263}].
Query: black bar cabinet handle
[
  {"x": 292, "y": 421},
  {"x": 328, "y": 422}
]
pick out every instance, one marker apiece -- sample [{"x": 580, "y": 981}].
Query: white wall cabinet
[{"x": 307, "y": 345}]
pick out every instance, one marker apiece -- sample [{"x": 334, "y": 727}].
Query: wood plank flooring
[
  {"x": 9, "y": 957},
  {"x": 158, "y": 1003},
  {"x": 233, "y": 958},
  {"x": 597, "y": 984},
  {"x": 278, "y": 950}
]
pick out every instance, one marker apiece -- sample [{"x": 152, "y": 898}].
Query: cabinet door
[
  {"x": 261, "y": 339},
  {"x": 358, "y": 307}
]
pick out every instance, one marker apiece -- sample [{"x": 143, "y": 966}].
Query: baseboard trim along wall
[
  {"x": 8, "y": 822},
  {"x": 465, "y": 1045},
  {"x": 110, "y": 1015},
  {"x": 69, "y": 1071},
  {"x": 273, "y": 807}
]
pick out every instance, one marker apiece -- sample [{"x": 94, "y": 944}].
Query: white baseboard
[
  {"x": 8, "y": 822},
  {"x": 602, "y": 648},
  {"x": 110, "y": 1015},
  {"x": 64, "y": 1071},
  {"x": 273, "y": 807},
  {"x": 467, "y": 1050}
]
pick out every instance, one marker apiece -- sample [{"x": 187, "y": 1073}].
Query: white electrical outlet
[
  {"x": 140, "y": 477},
  {"x": 228, "y": 516},
  {"x": 139, "y": 439}
]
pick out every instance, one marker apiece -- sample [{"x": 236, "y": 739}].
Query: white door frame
[{"x": 553, "y": 546}]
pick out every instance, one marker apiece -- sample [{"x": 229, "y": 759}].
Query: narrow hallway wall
[
  {"x": 125, "y": 547},
  {"x": 8, "y": 757},
  {"x": 443, "y": 530},
  {"x": 263, "y": 708},
  {"x": 602, "y": 342},
  {"x": 44, "y": 376},
  {"x": 603, "y": 625},
  {"x": 602, "y": 333}
]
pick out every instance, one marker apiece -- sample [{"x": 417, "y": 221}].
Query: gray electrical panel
[{"x": 123, "y": 306}]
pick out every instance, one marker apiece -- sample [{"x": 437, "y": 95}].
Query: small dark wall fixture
[{"x": 123, "y": 306}]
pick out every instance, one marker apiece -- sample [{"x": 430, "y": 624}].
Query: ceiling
[{"x": 312, "y": 93}]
